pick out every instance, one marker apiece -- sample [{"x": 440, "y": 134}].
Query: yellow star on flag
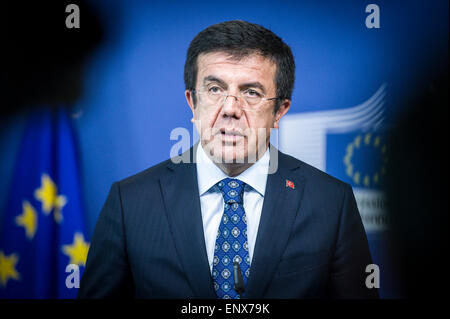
[
  {"x": 47, "y": 194},
  {"x": 28, "y": 219},
  {"x": 77, "y": 251},
  {"x": 8, "y": 268}
]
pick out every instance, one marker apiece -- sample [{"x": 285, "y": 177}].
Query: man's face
[{"x": 231, "y": 131}]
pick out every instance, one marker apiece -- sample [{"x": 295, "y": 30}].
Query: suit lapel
[
  {"x": 181, "y": 198},
  {"x": 280, "y": 207}
]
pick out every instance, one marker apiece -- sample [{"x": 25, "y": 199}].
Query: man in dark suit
[{"x": 232, "y": 217}]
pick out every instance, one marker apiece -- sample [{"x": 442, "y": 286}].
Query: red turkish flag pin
[{"x": 290, "y": 184}]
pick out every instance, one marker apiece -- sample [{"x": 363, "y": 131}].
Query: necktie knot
[{"x": 232, "y": 190}]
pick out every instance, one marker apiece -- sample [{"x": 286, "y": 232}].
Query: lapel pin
[{"x": 290, "y": 184}]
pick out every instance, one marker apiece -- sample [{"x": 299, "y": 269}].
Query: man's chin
[
  {"x": 227, "y": 158},
  {"x": 233, "y": 160},
  {"x": 227, "y": 154}
]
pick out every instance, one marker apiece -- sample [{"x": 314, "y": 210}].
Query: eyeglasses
[{"x": 216, "y": 96}]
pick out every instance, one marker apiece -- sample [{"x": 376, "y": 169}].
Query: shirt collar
[{"x": 209, "y": 174}]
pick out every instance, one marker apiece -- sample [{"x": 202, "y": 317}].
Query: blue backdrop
[{"x": 134, "y": 92}]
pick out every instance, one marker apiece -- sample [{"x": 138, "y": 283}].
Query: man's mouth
[
  {"x": 225, "y": 131},
  {"x": 228, "y": 135}
]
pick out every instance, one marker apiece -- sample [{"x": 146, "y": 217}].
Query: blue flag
[{"x": 43, "y": 242}]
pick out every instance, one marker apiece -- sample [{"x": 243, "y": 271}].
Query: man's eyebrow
[
  {"x": 252, "y": 85},
  {"x": 212, "y": 78}
]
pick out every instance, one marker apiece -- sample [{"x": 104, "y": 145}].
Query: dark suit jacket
[{"x": 149, "y": 242}]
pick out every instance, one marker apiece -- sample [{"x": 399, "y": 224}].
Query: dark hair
[{"x": 240, "y": 39}]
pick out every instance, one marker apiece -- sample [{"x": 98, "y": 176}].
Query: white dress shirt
[{"x": 212, "y": 203}]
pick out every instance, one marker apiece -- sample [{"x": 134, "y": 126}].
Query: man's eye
[
  {"x": 252, "y": 93},
  {"x": 214, "y": 89}
]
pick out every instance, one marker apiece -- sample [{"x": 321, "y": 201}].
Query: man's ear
[
  {"x": 282, "y": 110},
  {"x": 190, "y": 100}
]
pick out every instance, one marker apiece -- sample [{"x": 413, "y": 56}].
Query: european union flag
[{"x": 43, "y": 229}]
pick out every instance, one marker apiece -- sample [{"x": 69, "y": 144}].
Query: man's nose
[{"x": 232, "y": 106}]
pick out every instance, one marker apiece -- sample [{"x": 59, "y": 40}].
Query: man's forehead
[{"x": 253, "y": 62}]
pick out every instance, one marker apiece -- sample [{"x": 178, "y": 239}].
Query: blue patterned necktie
[{"x": 231, "y": 242}]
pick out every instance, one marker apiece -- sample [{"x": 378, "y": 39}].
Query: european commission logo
[{"x": 349, "y": 144}]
